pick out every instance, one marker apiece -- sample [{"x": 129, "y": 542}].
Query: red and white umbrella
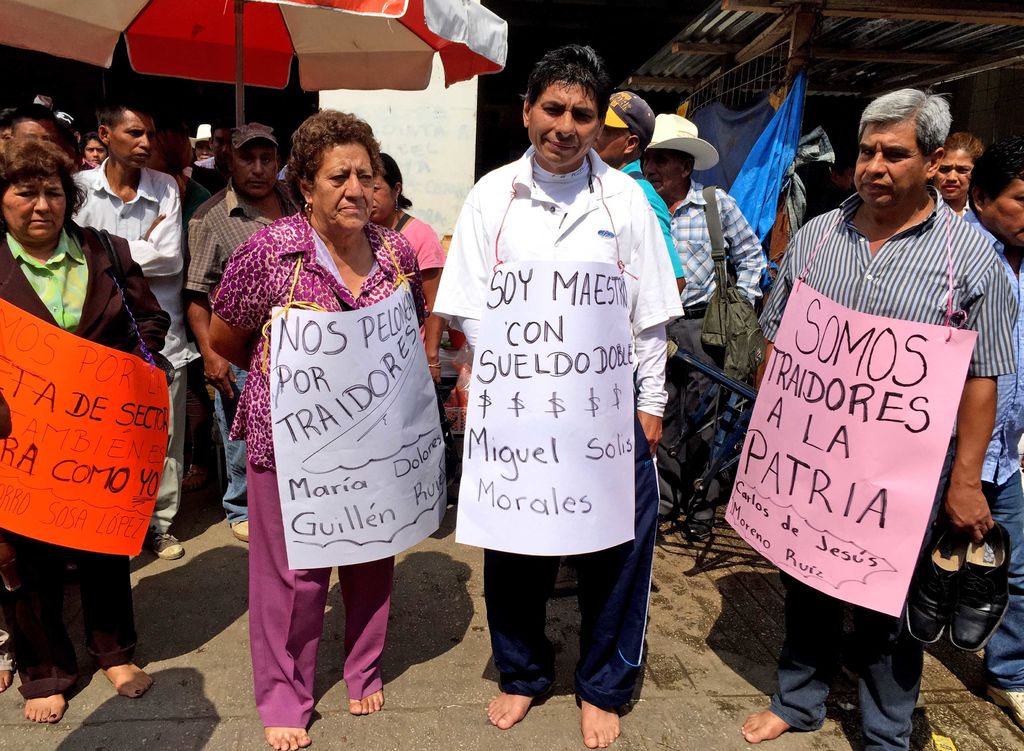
[{"x": 340, "y": 44}]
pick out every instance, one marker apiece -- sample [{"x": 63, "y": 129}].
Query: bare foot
[
  {"x": 6, "y": 679},
  {"x": 129, "y": 680},
  {"x": 367, "y": 705},
  {"x": 763, "y": 726},
  {"x": 287, "y": 739},
  {"x": 600, "y": 727},
  {"x": 47, "y": 709},
  {"x": 505, "y": 710}
]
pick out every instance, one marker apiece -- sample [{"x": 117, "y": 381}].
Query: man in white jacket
[
  {"x": 561, "y": 202},
  {"x": 125, "y": 198}
]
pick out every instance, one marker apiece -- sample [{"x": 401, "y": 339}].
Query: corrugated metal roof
[{"x": 835, "y": 76}]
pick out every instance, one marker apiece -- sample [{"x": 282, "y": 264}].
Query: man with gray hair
[{"x": 887, "y": 251}]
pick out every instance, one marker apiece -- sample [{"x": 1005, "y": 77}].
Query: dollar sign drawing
[
  {"x": 618, "y": 395},
  {"x": 556, "y": 405},
  {"x": 517, "y": 404},
  {"x": 485, "y": 402},
  {"x": 594, "y": 402}
]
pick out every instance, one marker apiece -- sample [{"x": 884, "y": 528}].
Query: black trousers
[
  {"x": 681, "y": 462},
  {"x": 45, "y": 656},
  {"x": 613, "y": 591}
]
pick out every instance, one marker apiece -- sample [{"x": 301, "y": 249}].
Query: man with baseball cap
[
  {"x": 628, "y": 128},
  {"x": 674, "y": 152},
  {"x": 252, "y": 199}
]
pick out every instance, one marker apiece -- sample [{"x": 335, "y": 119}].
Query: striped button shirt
[
  {"x": 693, "y": 244},
  {"x": 908, "y": 278},
  {"x": 1002, "y": 460}
]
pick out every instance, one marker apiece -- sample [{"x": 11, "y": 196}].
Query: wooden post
[
  {"x": 805, "y": 21},
  {"x": 239, "y": 63}
]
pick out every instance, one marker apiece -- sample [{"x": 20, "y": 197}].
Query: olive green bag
[{"x": 730, "y": 322}]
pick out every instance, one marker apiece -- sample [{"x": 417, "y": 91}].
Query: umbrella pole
[{"x": 239, "y": 63}]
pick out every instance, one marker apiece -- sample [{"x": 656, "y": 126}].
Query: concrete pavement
[{"x": 713, "y": 638}]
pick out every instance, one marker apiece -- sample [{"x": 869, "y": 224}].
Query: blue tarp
[
  {"x": 756, "y": 188},
  {"x": 733, "y": 132}
]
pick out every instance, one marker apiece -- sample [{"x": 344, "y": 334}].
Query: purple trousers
[{"x": 286, "y": 615}]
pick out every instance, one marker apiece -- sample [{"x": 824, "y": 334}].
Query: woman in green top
[{"x": 55, "y": 271}]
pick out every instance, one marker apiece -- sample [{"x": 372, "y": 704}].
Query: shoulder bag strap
[
  {"x": 117, "y": 274},
  {"x": 714, "y": 221},
  {"x": 402, "y": 221}
]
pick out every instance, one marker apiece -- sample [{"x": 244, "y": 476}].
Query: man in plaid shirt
[{"x": 675, "y": 151}]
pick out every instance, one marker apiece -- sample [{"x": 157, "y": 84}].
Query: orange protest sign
[{"x": 82, "y": 464}]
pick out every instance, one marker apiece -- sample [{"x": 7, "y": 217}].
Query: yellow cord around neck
[
  {"x": 283, "y": 312},
  {"x": 401, "y": 279}
]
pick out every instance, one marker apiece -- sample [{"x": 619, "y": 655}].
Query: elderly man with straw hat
[{"x": 674, "y": 153}]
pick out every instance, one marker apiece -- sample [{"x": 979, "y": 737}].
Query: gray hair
[{"x": 929, "y": 113}]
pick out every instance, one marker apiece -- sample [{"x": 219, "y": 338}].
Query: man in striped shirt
[
  {"x": 997, "y": 198},
  {"x": 885, "y": 252}
]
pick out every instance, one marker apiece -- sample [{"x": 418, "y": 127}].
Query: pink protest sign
[{"x": 842, "y": 458}]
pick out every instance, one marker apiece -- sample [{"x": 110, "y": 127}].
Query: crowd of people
[{"x": 179, "y": 250}]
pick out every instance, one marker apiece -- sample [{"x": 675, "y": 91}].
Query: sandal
[{"x": 196, "y": 478}]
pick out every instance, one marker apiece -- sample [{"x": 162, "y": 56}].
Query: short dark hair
[
  {"x": 392, "y": 176},
  {"x": 27, "y": 159},
  {"x": 35, "y": 112},
  {"x": 572, "y": 65},
  {"x": 222, "y": 123},
  {"x": 111, "y": 114},
  {"x": 66, "y": 135},
  {"x": 320, "y": 132},
  {"x": 169, "y": 120},
  {"x": 7, "y": 117},
  {"x": 1000, "y": 165}
]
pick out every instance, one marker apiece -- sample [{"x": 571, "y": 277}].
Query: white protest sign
[
  {"x": 357, "y": 438},
  {"x": 548, "y": 457}
]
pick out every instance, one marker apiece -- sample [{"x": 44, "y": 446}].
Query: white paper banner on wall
[
  {"x": 357, "y": 439},
  {"x": 548, "y": 458}
]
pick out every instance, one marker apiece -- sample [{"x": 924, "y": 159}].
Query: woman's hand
[{"x": 5, "y": 417}]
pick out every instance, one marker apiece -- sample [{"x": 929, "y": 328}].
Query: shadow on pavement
[
  {"x": 174, "y": 714},
  {"x": 723, "y": 550},
  {"x": 747, "y": 635},
  {"x": 430, "y": 612},
  {"x": 967, "y": 667},
  {"x": 183, "y": 608},
  {"x": 849, "y": 721}
]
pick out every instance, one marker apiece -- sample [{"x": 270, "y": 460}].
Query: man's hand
[
  {"x": 968, "y": 510},
  {"x": 153, "y": 226},
  {"x": 218, "y": 373},
  {"x": 651, "y": 426}
]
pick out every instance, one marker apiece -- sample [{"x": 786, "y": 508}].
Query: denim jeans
[
  {"x": 236, "y": 503},
  {"x": 888, "y": 660},
  {"x": 1004, "y": 655},
  {"x": 888, "y": 663}
]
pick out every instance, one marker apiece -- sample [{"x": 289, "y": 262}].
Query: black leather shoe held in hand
[
  {"x": 982, "y": 591},
  {"x": 933, "y": 588}
]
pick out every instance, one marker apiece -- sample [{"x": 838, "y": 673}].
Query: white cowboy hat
[
  {"x": 679, "y": 134},
  {"x": 203, "y": 133}
]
